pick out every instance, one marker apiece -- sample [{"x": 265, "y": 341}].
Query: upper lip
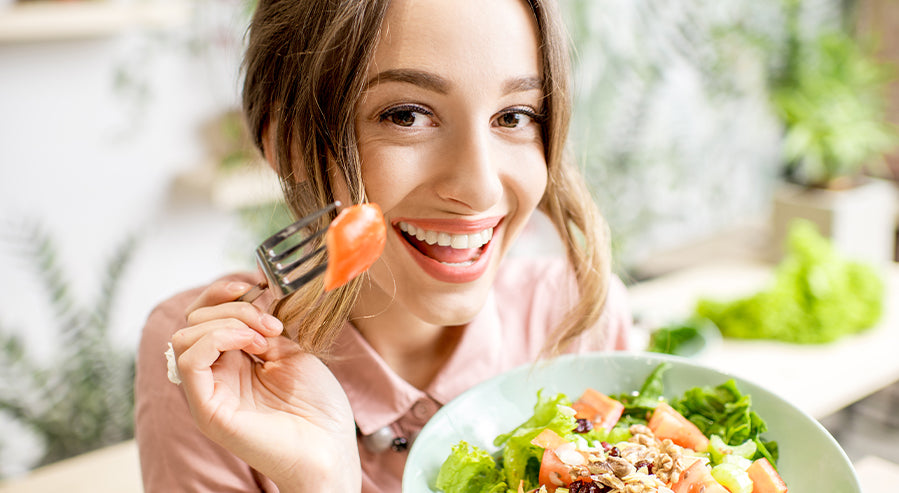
[{"x": 452, "y": 226}]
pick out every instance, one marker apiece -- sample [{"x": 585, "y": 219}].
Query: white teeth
[{"x": 460, "y": 241}]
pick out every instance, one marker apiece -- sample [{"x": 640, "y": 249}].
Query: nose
[{"x": 470, "y": 175}]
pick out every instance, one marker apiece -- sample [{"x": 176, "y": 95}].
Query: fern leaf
[{"x": 109, "y": 289}]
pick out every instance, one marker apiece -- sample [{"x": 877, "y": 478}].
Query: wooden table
[{"x": 114, "y": 469}]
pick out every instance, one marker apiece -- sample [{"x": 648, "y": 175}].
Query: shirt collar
[
  {"x": 380, "y": 397},
  {"x": 377, "y": 395}
]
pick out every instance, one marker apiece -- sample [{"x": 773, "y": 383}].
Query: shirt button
[
  {"x": 423, "y": 409},
  {"x": 379, "y": 441}
]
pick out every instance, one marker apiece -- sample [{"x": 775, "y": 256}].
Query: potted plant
[{"x": 832, "y": 104}]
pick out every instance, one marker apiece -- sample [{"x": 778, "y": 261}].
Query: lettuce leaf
[
  {"x": 521, "y": 459},
  {"x": 637, "y": 407},
  {"x": 470, "y": 469},
  {"x": 817, "y": 296},
  {"x": 725, "y": 411}
]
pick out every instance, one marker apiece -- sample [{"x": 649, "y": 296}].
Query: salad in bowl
[{"x": 624, "y": 422}]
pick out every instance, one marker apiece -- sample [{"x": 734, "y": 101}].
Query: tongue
[{"x": 444, "y": 253}]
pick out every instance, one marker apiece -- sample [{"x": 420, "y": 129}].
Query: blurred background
[{"x": 128, "y": 176}]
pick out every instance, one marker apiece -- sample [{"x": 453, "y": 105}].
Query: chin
[{"x": 452, "y": 304}]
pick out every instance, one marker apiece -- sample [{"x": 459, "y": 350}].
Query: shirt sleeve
[{"x": 174, "y": 455}]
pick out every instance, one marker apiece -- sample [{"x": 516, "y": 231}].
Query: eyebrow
[
  {"x": 436, "y": 83},
  {"x": 522, "y": 84},
  {"x": 420, "y": 78}
]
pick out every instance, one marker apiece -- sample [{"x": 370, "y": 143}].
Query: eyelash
[
  {"x": 411, "y": 108},
  {"x": 536, "y": 117}
]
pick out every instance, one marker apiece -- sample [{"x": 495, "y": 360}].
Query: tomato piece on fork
[{"x": 355, "y": 240}]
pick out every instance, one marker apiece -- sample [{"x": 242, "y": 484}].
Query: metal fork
[{"x": 276, "y": 257}]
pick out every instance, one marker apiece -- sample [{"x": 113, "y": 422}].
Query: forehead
[{"x": 459, "y": 37}]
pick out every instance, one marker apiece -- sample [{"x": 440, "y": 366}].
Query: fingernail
[
  {"x": 260, "y": 341},
  {"x": 272, "y": 323},
  {"x": 237, "y": 287}
]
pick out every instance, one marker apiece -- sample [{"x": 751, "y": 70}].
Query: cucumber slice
[
  {"x": 733, "y": 478},
  {"x": 718, "y": 449},
  {"x": 741, "y": 462}
]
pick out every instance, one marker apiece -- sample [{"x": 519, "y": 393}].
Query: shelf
[
  {"x": 85, "y": 19},
  {"x": 249, "y": 185}
]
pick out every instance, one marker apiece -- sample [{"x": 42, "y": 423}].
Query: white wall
[
  {"x": 93, "y": 135},
  {"x": 94, "y": 160}
]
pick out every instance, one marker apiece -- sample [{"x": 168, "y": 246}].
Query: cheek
[
  {"x": 390, "y": 173},
  {"x": 530, "y": 177},
  {"x": 539, "y": 182}
]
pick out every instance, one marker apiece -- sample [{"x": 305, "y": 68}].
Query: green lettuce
[
  {"x": 817, "y": 296},
  {"x": 521, "y": 459},
  {"x": 725, "y": 411},
  {"x": 642, "y": 403},
  {"x": 470, "y": 469}
]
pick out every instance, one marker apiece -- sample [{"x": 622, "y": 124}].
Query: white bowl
[{"x": 810, "y": 461}]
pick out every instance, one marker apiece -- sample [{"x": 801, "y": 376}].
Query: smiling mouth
[{"x": 447, "y": 248}]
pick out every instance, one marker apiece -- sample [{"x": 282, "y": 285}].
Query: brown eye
[
  {"x": 402, "y": 118},
  {"x": 406, "y": 116},
  {"x": 516, "y": 118},
  {"x": 510, "y": 120}
]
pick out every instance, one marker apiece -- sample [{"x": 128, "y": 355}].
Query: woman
[{"x": 452, "y": 116}]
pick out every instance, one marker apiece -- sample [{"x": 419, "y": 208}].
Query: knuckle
[
  {"x": 234, "y": 323},
  {"x": 248, "y": 311},
  {"x": 179, "y": 340},
  {"x": 194, "y": 316}
]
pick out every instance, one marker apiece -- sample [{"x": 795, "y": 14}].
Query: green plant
[
  {"x": 832, "y": 104},
  {"x": 82, "y": 399}
]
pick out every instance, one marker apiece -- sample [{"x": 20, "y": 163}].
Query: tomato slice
[
  {"x": 354, "y": 240},
  {"x": 765, "y": 478},
  {"x": 600, "y": 409},
  {"x": 668, "y": 423},
  {"x": 697, "y": 479},
  {"x": 553, "y": 472}
]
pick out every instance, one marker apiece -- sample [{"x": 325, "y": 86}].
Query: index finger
[{"x": 219, "y": 292}]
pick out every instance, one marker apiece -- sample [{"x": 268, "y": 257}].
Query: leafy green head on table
[{"x": 817, "y": 296}]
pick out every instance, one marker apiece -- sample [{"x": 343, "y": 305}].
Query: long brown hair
[{"x": 304, "y": 73}]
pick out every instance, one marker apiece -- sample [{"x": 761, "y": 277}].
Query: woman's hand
[{"x": 262, "y": 398}]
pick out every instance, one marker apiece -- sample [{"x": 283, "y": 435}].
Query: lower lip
[{"x": 456, "y": 274}]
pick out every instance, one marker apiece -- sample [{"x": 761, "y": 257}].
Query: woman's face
[{"x": 451, "y": 149}]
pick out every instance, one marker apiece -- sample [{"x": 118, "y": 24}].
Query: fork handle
[{"x": 253, "y": 293}]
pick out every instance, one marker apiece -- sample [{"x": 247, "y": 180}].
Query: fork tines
[{"x": 277, "y": 255}]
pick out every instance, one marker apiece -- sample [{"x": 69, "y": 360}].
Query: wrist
[{"x": 337, "y": 470}]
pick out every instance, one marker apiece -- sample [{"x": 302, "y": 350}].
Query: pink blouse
[{"x": 529, "y": 297}]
